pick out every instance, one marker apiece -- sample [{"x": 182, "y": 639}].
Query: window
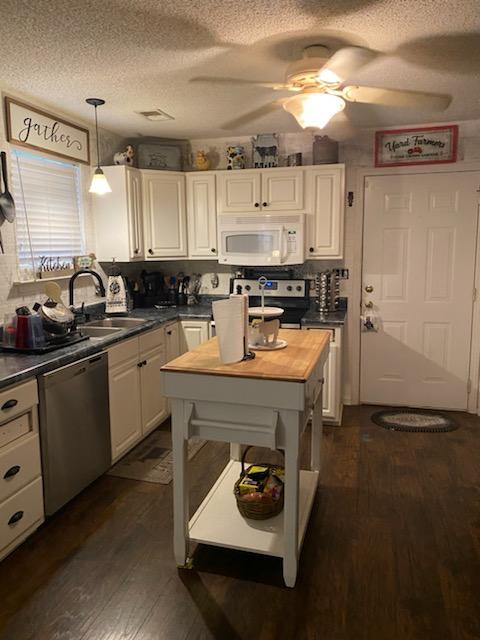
[{"x": 49, "y": 223}]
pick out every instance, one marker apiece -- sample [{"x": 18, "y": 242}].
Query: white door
[
  {"x": 238, "y": 191},
  {"x": 164, "y": 214},
  {"x": 134, "y": 195},
  {"x": 418, "y": 273},
  {"x": 282, "y": 190},
  {"x": 325, "y": 212},
  {"x": 201, "y": 216}
]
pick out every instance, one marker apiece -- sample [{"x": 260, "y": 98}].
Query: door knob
[{"x": 369, "y": 288}]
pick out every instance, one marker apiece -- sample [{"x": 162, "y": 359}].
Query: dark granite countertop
[
  {"x": 16, "y": 367},
  {"x": 316, "y": 319}
]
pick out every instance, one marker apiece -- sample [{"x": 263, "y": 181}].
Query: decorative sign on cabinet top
[{"x": 30, "y": 127}]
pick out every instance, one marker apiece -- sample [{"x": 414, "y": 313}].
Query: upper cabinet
[
  {"x": 251, "y": 190},
  {"x": 118, "y": 216},
  {"x": 164, "y": 214},
  {"x": 201, "y": 215},
  {"x": 325, "y": 189},
  {"x": 238, "y": 191}
]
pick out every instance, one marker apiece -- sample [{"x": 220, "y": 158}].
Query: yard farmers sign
[
  {"x": 30, "y": 127},
  {"x": 426, "y": 145}
]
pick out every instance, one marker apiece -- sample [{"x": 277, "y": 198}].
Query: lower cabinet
[
  {"x": 193, "y": 333},
  {"x": 332, "y": 373},
  {"x": 172, "y": 341},
  {"x": 136, "y": 403},
  {"x": 21, "y": 486}
]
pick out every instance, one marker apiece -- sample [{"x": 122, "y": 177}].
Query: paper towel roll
[
  {"x": 229, "y": 316},
  {"x": 244, "y": 298}
]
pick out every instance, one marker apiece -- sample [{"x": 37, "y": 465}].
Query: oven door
[{"x": 254, "y": 246}]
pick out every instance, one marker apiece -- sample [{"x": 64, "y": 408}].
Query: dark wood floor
[{"x": 392, "y": 552}]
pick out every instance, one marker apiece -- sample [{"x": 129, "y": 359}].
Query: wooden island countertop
[{"x": 295, "y": 363}]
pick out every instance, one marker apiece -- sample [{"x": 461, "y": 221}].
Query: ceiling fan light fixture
[
  {"x": 327, "y": 76},
  {"x": 314, "y": 109}
]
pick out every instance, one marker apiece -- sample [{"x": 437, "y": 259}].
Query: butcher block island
[{"x": 265, "y": 402}]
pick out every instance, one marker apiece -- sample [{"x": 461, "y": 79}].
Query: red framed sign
[{"x": 425, "y": 145}]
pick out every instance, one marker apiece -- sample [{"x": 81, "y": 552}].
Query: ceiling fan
[{"x": 317, "y": 80}]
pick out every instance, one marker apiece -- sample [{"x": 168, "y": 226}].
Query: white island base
[{"x": 266, "y": 402}]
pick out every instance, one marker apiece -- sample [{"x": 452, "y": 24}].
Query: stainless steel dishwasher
[{"x": 74, "y": 428}]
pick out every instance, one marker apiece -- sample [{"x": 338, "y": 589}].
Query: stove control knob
[
  {"x": 289, "y": 288},
  {"x": 299, "y": 288},
  {"x": 247, "y": 287}
]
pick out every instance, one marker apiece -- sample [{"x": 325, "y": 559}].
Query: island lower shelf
[{"x": 217, "y": 521}]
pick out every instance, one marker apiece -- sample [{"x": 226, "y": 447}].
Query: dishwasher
[{"x": 74, "y": 428}]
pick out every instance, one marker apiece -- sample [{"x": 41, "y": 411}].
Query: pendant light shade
[
  {"x": 314, "y": 108},
  {"x": 99, "y": 184}
]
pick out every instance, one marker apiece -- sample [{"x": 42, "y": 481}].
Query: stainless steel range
[{"x": 292, "y": 295}]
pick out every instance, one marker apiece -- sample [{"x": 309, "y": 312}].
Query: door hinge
[
  {"x": 469, "y": 386},
  {"x": 474, "y": 294},
  {"x": 350, "y": 198}
]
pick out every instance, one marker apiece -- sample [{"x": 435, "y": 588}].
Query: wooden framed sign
[
  {"x": 30, "y": 127},
  {"x": 425, "y": 145}
]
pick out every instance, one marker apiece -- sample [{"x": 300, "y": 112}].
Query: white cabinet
[
  {"x": 137, "y": 405},
  {"x": 325, "y": 211},
  {"x": 332, "y": 373},
  {"x": 239, "y": 191},
  {"x": 172, "y": 341},
  {"x": 125, "y": 397},
  {"x": 21, "y": 486},
  {"x": 164, "y": 214},
  {"x": 251, "y": 190},
  {"x": 282, "y": 190},
  {"x": 118, "y": 216},
  {"x": 201, "y": 215},
  {"x": 193, "y": 333}
]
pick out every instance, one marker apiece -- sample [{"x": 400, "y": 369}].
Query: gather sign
[
  {"x": 426, "y": 145},
  {"x": 30, "y": 127}
]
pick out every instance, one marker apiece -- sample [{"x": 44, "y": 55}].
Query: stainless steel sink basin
[
  {"x": 98, "y": 332},
  {"x": 117, "y": 323}
]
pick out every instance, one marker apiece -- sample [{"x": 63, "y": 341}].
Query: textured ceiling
[{"x": 140, "y": 54}]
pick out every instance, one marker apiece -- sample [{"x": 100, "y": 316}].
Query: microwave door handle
[{"x": 284, "y": 248}]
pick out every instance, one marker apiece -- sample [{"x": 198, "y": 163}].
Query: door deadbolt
[{"x": 369, "y": 288}]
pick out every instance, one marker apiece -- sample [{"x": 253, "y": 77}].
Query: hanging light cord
[{"x": 96, "y": 136}]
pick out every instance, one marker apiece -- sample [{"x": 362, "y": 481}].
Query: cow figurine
[
  {"x": 265, "y": 150},
  {"x": 235, "y": 157},
  {"x": 125, "y": 157}
]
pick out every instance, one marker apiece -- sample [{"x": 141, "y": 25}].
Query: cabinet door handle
[
  {"x": 136, "y": 251},
  {"x": 311, "y": 249},
  {"x": 169, "y": 333},
  {"x": 9, "y": 404},
  {"x": 18, "y": 515},
  {"x": 257, "y": 204},
  {"x": 213, "y": 250},
  {"x": 140, "y": 364},
  {"x": 264, "y": 204},
  {"x": 150, "y": 251},
  {"x": 12, "y": 471}
]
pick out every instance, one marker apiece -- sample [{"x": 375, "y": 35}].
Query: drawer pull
[
  {"x": 18, "y": 515},
  {"x": 9, "y": 404},
  {"x": 12, "y": 472}
]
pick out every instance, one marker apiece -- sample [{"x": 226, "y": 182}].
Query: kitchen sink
[
  {"x": 115, "y": 323},
  {"x": 98, "y": 332}
]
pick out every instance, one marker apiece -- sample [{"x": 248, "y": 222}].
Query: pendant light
[{"x": 99, "y": 183}]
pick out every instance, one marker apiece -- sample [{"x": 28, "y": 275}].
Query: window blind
[{"x": 49, "y": 221}]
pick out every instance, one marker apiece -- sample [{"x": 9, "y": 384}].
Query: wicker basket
[{"x": 257, "y": 510}]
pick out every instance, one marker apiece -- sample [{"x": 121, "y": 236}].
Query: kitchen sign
[
  {"x": 425, "y": 145},
  {"x": 30, "y": 127}
]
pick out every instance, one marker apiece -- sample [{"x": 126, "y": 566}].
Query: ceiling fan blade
[
  {"x": 240, "y": 81},
  {"x": 344, "y": 63},
  {"x": 397, "y": 98},
  {"x": 246, "y": 118}
]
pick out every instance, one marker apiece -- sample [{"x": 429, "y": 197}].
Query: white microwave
[{"x": 261, "y": 240}]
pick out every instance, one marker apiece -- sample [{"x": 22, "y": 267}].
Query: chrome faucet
[{"x": 79, "y": 273}]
